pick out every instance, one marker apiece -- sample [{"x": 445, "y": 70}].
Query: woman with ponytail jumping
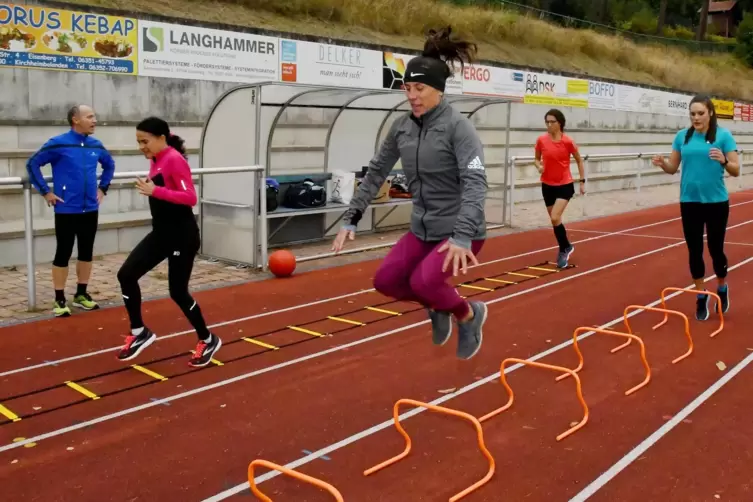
[
  {"x": 174, "y": 236},
  {"x": 443, "y": 161},
  {"x": 706, "y": 151}
]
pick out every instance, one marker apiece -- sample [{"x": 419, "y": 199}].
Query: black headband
[{"x": 430, "y": 71}]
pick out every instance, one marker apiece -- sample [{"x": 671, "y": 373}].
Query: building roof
[{"x": 721, "y": 6}]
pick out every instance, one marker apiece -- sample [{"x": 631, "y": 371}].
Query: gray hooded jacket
[{"x": 443, "y": 161}]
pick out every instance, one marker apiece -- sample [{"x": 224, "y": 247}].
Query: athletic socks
[
  {"x": 81, "y": 289},
  {"x": 561, "y": 234},
  {"x": 59, "y": 296},
  {"x": 137, "y": 331},
  {"x": 722, "y": 289}
]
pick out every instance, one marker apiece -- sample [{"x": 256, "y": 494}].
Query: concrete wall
[{"x": 33, "y": 105}]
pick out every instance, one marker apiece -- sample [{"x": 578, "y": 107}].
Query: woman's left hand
[
  {"x": 717, "y": 155},
  {"x": 582, "y": 188},
  {"x": 145, "y": 187},
  {"x": 458, "y": 255}
]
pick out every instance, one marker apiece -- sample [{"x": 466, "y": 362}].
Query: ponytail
[
  {"x": 177, "y": 142},
  {"x": 158, "y": 127},
  {"x": 440, "y": 46}
]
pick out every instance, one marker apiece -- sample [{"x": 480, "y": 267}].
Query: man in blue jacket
[{"x": 75, "y": 196}]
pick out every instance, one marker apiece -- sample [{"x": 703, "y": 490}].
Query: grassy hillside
[{"x": 502, "y": 36}]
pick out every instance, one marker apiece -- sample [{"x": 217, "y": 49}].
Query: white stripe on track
[
  {"x": 662, "y": 431},
  {"x": 325, "y": 300},
  {"x": 388, "y": 423},
  {"x": 331, "y": 350}
]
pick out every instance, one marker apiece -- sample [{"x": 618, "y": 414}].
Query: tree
[
  {"x": 745, "y": 39},
  {"x": 662, "y": 17},
  {"x": 703, "y": 22}
]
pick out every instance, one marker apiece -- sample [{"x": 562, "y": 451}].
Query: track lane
[
  {"x": 268, "y": 405},
  {"x": 179, "y": 346},
  {"x": 254, "y": 299},
  {"x": 445, "y": 458},
  {"x": 599, "y": 259}
]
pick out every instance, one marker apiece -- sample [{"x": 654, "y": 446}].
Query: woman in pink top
[
  {"x": 174, "y": 236},
  {"x": 555, "y": 149}
]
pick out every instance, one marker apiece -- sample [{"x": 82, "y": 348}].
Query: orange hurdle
[
  {"x": 408, "y": 443},
  {"x": 614, "y": 333},
  {"x": 665, "y": 311},
  {"x": 548, "y": 367},
  {"x": 718, "y": 304},
  {"x": 294, "y": 474}
]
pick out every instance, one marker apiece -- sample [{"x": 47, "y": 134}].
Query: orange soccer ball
[{"x": 282, "y": 263}]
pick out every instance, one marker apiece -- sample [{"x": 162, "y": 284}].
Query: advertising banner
[
  {"x": 676, "y": 104},
  {"x": 724, "y": 109},
  {"x": 331, "y": 65},
  {"x": 54, "y": 39},
  {"x": 493, "y": 81},
  {"x": 555, "y": 90},
  {"x": 602, "y": 95},
  {"x": 393, "y": 71},
  {"x": 742, "y": 112},
  {"x": 635, "y": 99},
  {"x": 176, "y": 51}
]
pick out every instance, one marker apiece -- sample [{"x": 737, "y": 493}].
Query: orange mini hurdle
[
  {"x": 613, "y": 333},
  {"x": 718, "y": 307},
  {"x": 548, "y": 367},
  {"x": 289, "y": 472},
  {"x": 408, "y": 443},
  {"x": 665, "y": 311}
]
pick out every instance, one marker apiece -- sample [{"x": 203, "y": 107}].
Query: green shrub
[{"x": 745, "y": 39}]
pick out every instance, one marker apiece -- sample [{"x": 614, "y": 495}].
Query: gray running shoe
[
  {"x": 469, "y": 333},
  {"x": 441, "y": 326},
  {"x": 564, "y": 256}
]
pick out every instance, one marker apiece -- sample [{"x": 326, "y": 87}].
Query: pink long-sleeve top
[
  {"x": 173, "y": 196},
  {"x": 176, "y": 184}
]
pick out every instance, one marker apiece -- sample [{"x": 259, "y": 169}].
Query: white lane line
[
  {"x": 325, "y": 300},
  {"x": 662, "y": 431},
  {"x": 629, "y": 234},
  {"x": 388, "y": 423},
  {"x": 726, "y": 243},
  {"x": 315, "y": 355}
]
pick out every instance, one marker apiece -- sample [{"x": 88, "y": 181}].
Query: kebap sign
[
  {"x": 176, "y": 51},
  {"x": 44, "y": 38}
]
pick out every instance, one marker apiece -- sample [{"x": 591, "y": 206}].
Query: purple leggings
[{"x": 412, "y": 271}]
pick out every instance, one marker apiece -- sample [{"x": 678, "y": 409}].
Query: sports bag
[
  {"x": 305, "y": 195},
  {"x": 273, "y": 188}
]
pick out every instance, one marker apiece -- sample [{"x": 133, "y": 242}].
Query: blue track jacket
[{"x": 74, "y": 158}]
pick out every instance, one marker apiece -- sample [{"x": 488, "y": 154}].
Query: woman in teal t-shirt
[{"x": 706, "y": 150}]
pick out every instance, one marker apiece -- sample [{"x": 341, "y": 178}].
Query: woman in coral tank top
[{"x": 553, "y": 151}]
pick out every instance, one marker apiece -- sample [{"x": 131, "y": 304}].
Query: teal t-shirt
[{"x": 701, "y": 177}]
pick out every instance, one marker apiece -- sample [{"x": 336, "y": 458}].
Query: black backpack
[
  {"x": 273, "y": 188},
  {"x": 305, "y": 195}
]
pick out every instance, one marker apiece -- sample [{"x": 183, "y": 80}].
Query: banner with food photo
[{"x": 55, "y": 39}]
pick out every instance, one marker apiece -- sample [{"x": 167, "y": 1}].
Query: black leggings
[
  {"x": 180, "y": 258},
  {"x": 70, "y": 227},
  {"x": 712, "y": 216}
]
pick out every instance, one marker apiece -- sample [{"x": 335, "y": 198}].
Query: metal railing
[
  {"x": 23, "y": 182},
  {"x": 258, "y": 205},
  {"x": 529, "y": 159}
]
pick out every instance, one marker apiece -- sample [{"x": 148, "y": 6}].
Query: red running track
[{"x": 195, "y": 442}]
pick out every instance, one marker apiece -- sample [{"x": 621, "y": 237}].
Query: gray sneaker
[
  {"x": 441, "y": 327},
  {"x": 564, "y": 256},
  {"x": 469, "y": 333}
]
